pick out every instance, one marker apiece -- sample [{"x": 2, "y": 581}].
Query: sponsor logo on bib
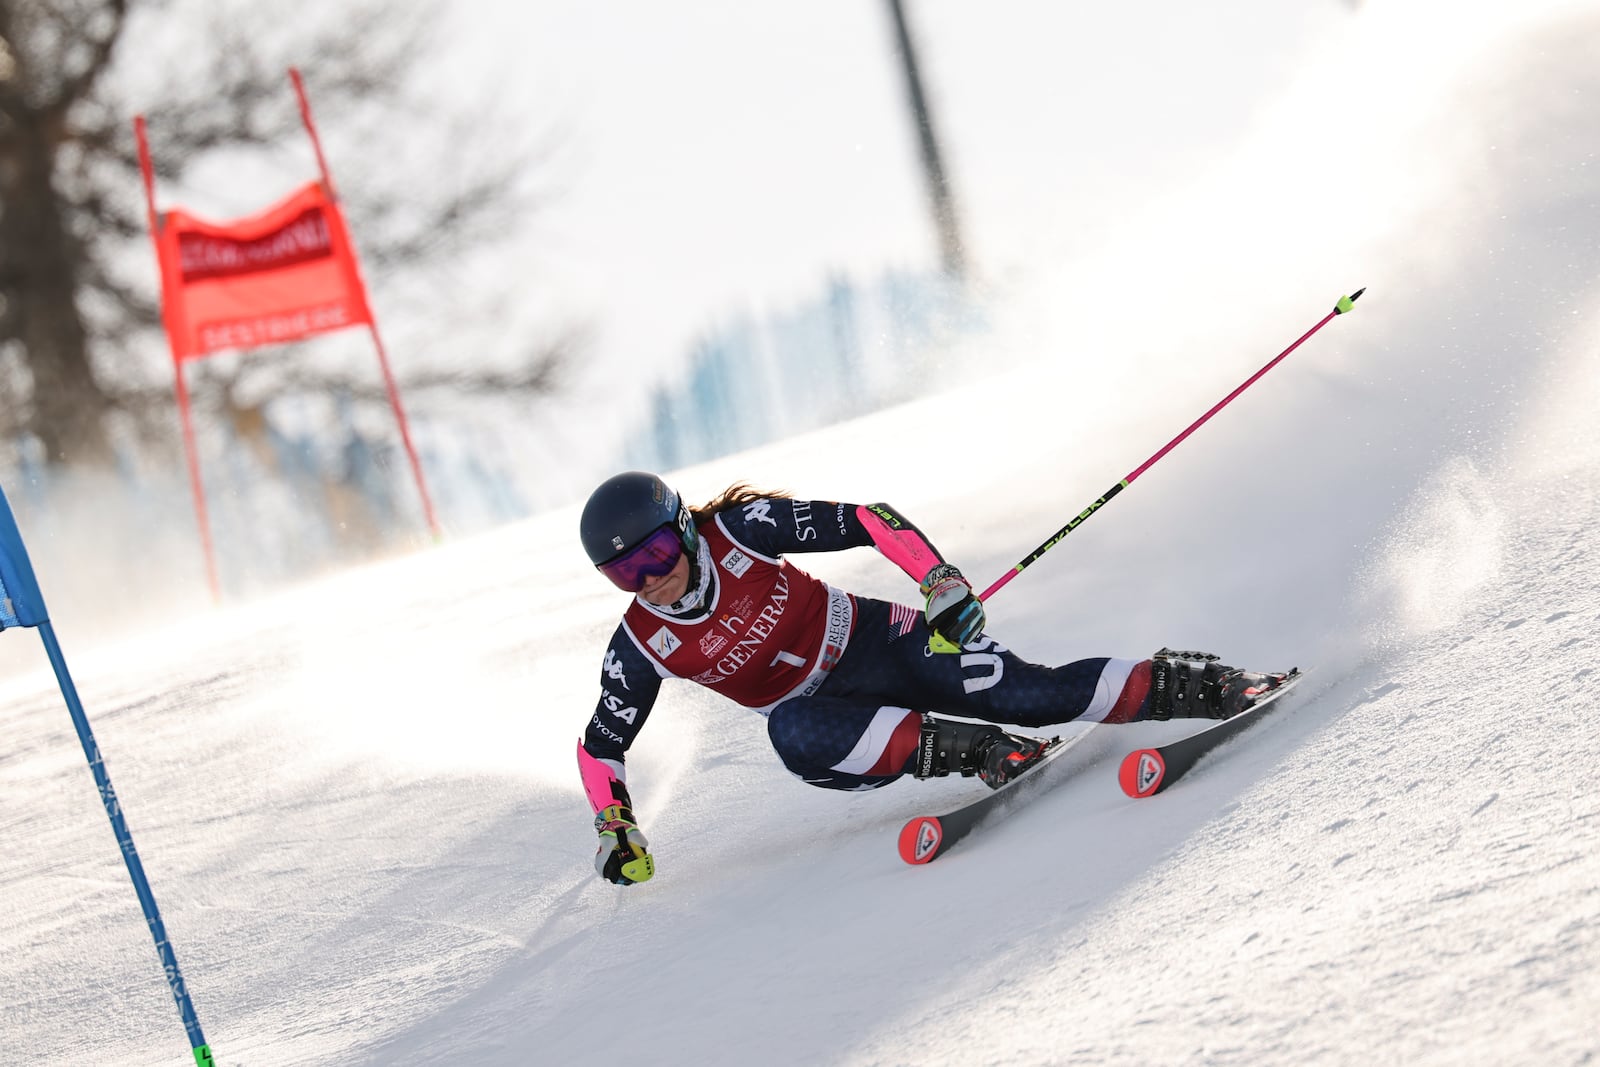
[{"x": 665, "y": 642}]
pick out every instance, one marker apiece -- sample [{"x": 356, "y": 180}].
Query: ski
[
  {"x": 927, "y": 837},
  {"x": 1147, "y": 771}
]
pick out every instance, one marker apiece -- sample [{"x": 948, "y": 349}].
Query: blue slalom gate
[{"x": 22, "y": 605}]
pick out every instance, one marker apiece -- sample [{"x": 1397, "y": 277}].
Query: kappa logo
[
  {"x": 613, "y": 668},
  {"x": 665, "y": 642},
  {"x": 737, "y": 563},
  {"x": 760, "y": 511}
]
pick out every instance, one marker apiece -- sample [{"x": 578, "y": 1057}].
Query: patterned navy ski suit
[{"x": 842, "y": 679}]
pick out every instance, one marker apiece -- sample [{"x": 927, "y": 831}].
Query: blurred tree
[{"x": 82, "y": 360}]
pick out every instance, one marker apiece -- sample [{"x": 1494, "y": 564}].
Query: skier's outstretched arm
[
  {"x": 954, "y": 615},
  {"x": 773, "y": 526},
  {"x": 629, "y": 685}
]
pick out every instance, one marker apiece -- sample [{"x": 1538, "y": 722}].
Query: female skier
[{"x": 849, "y": 685}]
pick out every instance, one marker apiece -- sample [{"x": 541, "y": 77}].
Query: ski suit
[{"x": 842, "y": 679}]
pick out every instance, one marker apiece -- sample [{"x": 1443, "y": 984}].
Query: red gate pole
[
  {"x": 341, "y": 233},
  {"x": 191, "y": 452}
]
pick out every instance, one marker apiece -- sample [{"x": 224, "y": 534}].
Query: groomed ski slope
[{"x": 358, "y": 807}]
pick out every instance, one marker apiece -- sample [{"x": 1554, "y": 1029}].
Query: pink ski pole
[{"x": 1345, "y": 304}]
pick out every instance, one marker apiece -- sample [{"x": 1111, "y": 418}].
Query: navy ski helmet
[{"x": 634, "y": 527}]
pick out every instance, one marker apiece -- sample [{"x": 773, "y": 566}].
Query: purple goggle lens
[{"x": 653, "y": 557}]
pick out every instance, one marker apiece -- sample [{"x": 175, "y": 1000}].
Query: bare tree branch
[
  {"x": 79, "y": 329},
  {"x": 99, "y": 49}
]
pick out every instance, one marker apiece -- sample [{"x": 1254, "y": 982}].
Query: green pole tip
[{"x": 1347, "y": 302}]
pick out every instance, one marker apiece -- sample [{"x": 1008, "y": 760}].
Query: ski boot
[
  {"x": 974, "y": 748},
  {"x": 1194, "y": 685}
]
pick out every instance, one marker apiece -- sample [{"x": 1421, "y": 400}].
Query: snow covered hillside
[{"x": 358, "y": 806}]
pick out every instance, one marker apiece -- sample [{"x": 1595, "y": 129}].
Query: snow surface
[{"x": 358, "y": 807}]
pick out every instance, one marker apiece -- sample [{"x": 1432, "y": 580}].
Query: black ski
[
  {"x": 1147, "y": 771},
  {"x": 927, "y": 837}
]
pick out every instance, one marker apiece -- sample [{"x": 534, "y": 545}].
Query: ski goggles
[{"x": 653, "y": 557}]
